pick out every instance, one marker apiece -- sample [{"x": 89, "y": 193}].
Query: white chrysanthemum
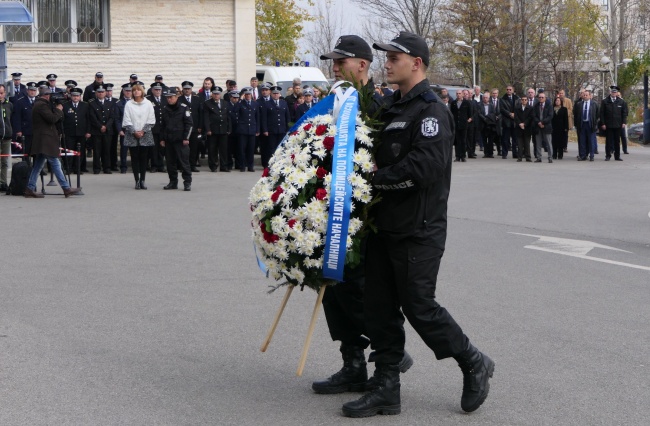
[
  {"x": 367, "y": 166},
  {"x": 354, "y": 225},
  {"x": 327, "y": 180},
  {"x": 366, "y": 198},
  {"x": 277, "y": 223},
  {"x": 297, "y": 274},
  {"x": 355, "y": 180}
]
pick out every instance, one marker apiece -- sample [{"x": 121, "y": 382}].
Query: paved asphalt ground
[{"x": 127, "y": 307}]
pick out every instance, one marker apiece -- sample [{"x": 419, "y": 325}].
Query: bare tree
[{"x": 327, "y": 29}]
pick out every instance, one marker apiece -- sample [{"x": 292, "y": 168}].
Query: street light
[
  {"x": 474, "y": 43},
  {"x": 606, "y": 62}
]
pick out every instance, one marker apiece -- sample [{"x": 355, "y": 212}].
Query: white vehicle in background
[{"x": 283, "y": 76}]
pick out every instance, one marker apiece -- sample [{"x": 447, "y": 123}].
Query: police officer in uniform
[
  {"x": 21, "y": 119},
  {"x": 76, "y": 128},
  {"x": 613, "y": 119},
  {"x": 15, "y": 89},
  {"x": 117, "y": 126},
  {"x": 193, "y": 104},
  {"x": 233, "y": 139},
  {"x": 414, "y": 159},
  {"x": 343, "y": 303},
  {"x": 275, "y": 124},
  {"x": 158, "y": 101},
  {"x": 51, "y": 81},
  {"x": 102, "y": 120},
  {"x": 175, "y": 132},
  {"x": 247, "y": 123},
  {"x": 218, "y": 125},
  {"x": 125, "y": 96},
  {"x": 89, "y": 91}
]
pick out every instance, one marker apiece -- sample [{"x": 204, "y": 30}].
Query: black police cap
[
  {"x": 614, "y": 89},
  {"x": 71, "y": 83},
  {"x": 16, "y": 75},
  {"x": 156, "y": 86},
  {"x": 127, "y": 86},
  {"x": 409, "y": 43},
  {"x": 51, "y": 77},
  {"x": 187, "y": 84},
  {"x": 43, "y": 83},
  {"x": 350, "y": 46},
  {"x": 217, "y": 89},
  {"x": 76, "y": 91},
  {"x": 109, "y": 86},
  {"x": 171, "y": 92},
  {"x": 32, "y": 85}
]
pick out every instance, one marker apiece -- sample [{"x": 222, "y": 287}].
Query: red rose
[
  {"x": 276, "y": 194},
  {"x": 321, "y": 173},
  {"x": 328, "y": 143},
  {"x": 294, "y": 133},
  {"x": 321, "y": 193},
  {"x": 293, "y": 157},
  {"x": 263, "y": 228},
  {"x": 321, "y": 129},
  {"x": 265, "y": 173},
  {"x": 291, "y": 223},
  {"x": 307, "y": 127}
]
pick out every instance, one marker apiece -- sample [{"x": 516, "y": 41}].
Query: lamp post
[
  {"x": 474, "y": 43},
  {"x": 606, "y": 61}
]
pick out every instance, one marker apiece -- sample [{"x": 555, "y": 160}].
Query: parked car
[{"x": 635, "y": 132}]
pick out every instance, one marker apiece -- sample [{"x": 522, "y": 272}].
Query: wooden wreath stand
[{"x": 310, "y": 332}]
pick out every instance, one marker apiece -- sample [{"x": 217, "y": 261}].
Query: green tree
[{"x": 278, "y": 26}]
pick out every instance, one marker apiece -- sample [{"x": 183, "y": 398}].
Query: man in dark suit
[
  {"x": 158, "y": 101},
  {"x": 51, "y": 81},
  {"x": 543, "y": 118},
  {"x": 194, "y": 106},
  {"x": 508, "y": 136},
  {"x": 523, "y": 127},
  {"x": 15, "y": 89},
  {"x": 585, "y": 118},
  {"x": 496, "y": 103},
  {"x": 462, "y": 112},
  {"x": 247, "y": 116},
  {"x": 117, "y": 126},
  {"x": 233, "y": 138},
  {"x": 613, "y": 120},
  {"x": 218, "y": 125},
  {"x": 102, "y": 119},
  {"x": 89, "y": 91},
  {"x": 21, "y": 119},
  {"x": 301, "y": 109},
  {"x": 487, "y": 125},
  {"x": 125, "y": 96},
  {"x": 472, "y": 127},
  {"x": 76, "y": 128},
  {"x": 275, "y": 124}
]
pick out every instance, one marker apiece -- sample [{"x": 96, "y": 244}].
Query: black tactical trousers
[
  {"x": 177, "y": 152},
  {"x": 403, "y": 274},
  {"x": 218, "y": 152}
]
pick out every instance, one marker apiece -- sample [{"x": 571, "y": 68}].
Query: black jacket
[
  {"x": 613, "y": 114},
  {"x": 195, "y": 106},
  {"x": 414, "y": 167},
  {"x": 508, "y": 107},
  {"x": 101, "y": 115},
  {"x": 75, "y": 121},
  {"x": 6, "y": 108},
  {"x": 486, "y": 121},
  {"x": 525, "y": 116},
  {"x": 157, "y": 109},
  {"x": 546, "y": 118},
  {"x": 216, "y": 117},
  {"x": 176, "y": 123},
  {"x": 594, "y": 115},
  {"x": 277, "y": 117},
  {"x": 461, "y": 114}
]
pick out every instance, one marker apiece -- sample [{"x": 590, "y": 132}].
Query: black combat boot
[
  {"x": 385, "y": 399},
  {"x": 477, "y": 369},
  {"x": 404, "y": 365},
  {"x": 352, "y": 377}
]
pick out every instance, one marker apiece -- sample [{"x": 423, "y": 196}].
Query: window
[{"x": 63, "y": 21}]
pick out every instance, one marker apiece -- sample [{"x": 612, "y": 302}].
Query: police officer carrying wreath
[
  {"x": 414, "y": 159},
  {"x": 175, "y": 131}
]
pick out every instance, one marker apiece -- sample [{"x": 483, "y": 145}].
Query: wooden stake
[
  {"x": 265, "y": 345},
  {"x": 310, "y": 332}
]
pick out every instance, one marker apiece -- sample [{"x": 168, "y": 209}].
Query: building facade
[{"x": 179, "y": 39}]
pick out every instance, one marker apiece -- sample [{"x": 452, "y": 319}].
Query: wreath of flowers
[{"x": 290, "y": 203}]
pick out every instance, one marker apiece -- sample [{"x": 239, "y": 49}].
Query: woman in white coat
[{"x": 139, "y": 119}]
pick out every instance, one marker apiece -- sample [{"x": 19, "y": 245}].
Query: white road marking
[{"x": 575, "y": 248}]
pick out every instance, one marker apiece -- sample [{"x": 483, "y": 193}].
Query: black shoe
[
  {"x": 108, "y": 172},
  {"x": 488, "y": 156},
  {"x": 383, "y": 400},
  {"x": 591, "y": 159},
  {"x": 85, "y": 171},
  {"x": 242, "y": 170},
  {"x": 153, "y": 171},
  {"x": 472, "y": 156},
  {"x": 518, "y": 160},
  {"x": 213, "y": 170},
  {"x": 550, "y": 161},
  {"x": 618, "y": 159},
  {"x": 187, "y": 186},
  {"x": 251, "y": 169},
  {"x": 607, "y": 158},
  {"x": 4, "y": 187},
  {"x": 456, "y": 160},
  {"x": 625, "y": 152},
  {"x": 171, "y": 185},
  {"x": 195, "y": 170},
  {"x": 225, "y": 170},
  {"x": 137, "y": 184},
  {"x": 462, "y": 160},
  {"x": 477, "y": 369},
  {"x": 123, "y": 171},
  {"x": 142, "y": 185},
  {"x": 539, "y": 160},
  {"x": 163, "y": 170},
  {"x": 351, "y": 378},
  {"x": 581, "y": 159},
  {"x": 404, "y": 365},
  {"x": 114, "y": 169},
  {"x": 596, "y": 152},
  {"x": 528, "y": 160}
]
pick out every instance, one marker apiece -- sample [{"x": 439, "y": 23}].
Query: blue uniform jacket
[{"x": 247, "y": 118}]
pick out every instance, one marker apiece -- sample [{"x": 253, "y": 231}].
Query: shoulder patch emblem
[{"x": 429, "y": 127}]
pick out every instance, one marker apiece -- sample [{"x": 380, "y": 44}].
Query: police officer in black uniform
[
  {"x": 193, "y": 104},
  {"x": 218, "y": 125},
  {"x": 275, "y": 124},
  {"x": 102, "y": 121},
  {"x": 21, "y": 118},
  {"x": 343, "y": 303},
  {"x": 15, "y": 89},
  {"x": 76, "y": 128},
  {"x": 414, "y": 159},
  {"x": 613, "y": 119},
  {"x": 247, "y": 124},
  {"x": 233, "y": 139},
  {"x": 158, "y": 101},
  {"x": 175, "y": 132},
  {"x": 125, "y": 96},
  {"x": 89, "y": 91}
]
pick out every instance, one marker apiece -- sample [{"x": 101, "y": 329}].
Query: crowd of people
[
  {"x": 510, "y": 124},
  {"x": 109, "y": 122}
]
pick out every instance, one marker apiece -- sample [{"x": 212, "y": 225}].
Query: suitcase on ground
[{"x": 19, "y": 177}]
